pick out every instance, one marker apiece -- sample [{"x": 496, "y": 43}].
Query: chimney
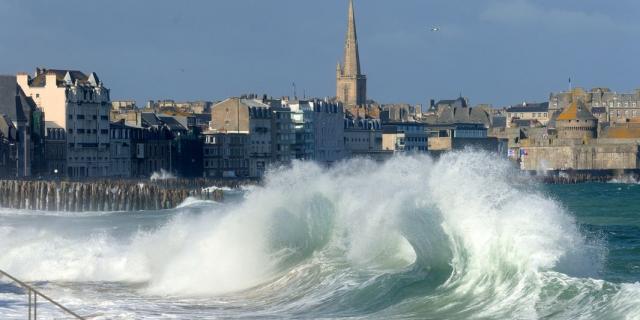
[
  {"x": 22, "y": 79},
  {"x": 50, "y": 78}
]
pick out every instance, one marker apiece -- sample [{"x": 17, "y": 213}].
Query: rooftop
[
  {"x": 530, "y": 107},
  {"x": 13, "y": 102},
  {"x": 63, "y": 77},
  {"x": 622, "y": 133},
  {"x": 575, "y": 111}
]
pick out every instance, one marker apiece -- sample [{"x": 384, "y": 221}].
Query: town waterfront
[{"x": 466, "y": 236}]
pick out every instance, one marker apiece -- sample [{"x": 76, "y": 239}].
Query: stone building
[
  {"x": 577, "y": 146},
  {"x": 152, "y": 151},
  {"x": 226, "y": 155},
  {"x": 123, "y": 149},
  {"x": 8, "y": 148},
  {"x": 535, "y": 112},
  {"x": 253, "y": 118},
  {"x": 457, "y": 111},
  {"x": 351, "y": 84},
  {"x": 55, "y": 151},
  {"x": 393, "y": 139},
  {"x": 79, "y": 104},
  {"x": 362, "y": 137},
  {"x": 303, "y": 121},
  {"x": 411, "y": 136},
  {"x": 328, "y": 132},
  {"x": 606, "y": 154},
  {"x": 400, "y": 112},
  {"x": 577, "y": 123},
  {"x": 172, "y": 107},
  {"x": 617, "y": 107},
  {"x": 283, "y": 130},
  {"x": 23, "y": 128}
]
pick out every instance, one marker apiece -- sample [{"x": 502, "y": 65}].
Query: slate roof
[
  {"x": 150, "y": 119},
  {"x": 7, "y": 130},
  {"x": 173, "y": 123},
  {"x": 575, "y": 111},
  {"x": 13, "y": 102},
  {"x": 530, "y": 107},
  {"x": 499, "y": 121},
  {"x": 253, "y": 103},
  {"x": 40, "y": 79}
]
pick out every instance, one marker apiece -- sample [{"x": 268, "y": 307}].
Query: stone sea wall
[
  {"x": 585, "y": 176},
  {"x": 104, "y": 195}
]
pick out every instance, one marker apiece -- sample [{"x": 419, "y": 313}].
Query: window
[{"x": 80, "y": 117}]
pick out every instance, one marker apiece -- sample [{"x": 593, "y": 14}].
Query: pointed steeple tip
[{"x": 351, "y": 65}]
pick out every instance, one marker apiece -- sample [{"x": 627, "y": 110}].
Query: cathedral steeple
[
  {"x": 351, "y": 84},
  {"x": 351, "y": 54}
]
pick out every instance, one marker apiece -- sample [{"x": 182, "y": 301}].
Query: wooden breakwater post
[{"x": 103, "y": 195}]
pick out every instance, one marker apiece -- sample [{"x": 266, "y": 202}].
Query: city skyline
[{"x": 210, "y": 51}]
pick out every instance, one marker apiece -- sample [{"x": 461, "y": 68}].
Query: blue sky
[{"x": 493, "y": 51}]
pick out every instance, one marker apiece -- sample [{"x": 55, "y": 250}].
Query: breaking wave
[{"x": 458, "y": 238}]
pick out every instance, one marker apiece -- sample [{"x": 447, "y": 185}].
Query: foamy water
[{"x": 462, "y": 237}]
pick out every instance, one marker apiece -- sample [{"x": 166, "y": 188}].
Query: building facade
[
  {"x": 414, "y": 135},
  {"x": 80, "y": 105},
  {"x": 616, "y": 107},
  {"x": 537, "y": 112},
  {"x": 226, "y": 155},
  {"x": 23, "y": 127},
  {"x": 362, "y": 136},
  {"x": 328, "y": 132}
]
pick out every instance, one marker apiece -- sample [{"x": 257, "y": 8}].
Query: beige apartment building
[{"x": 79, "y": 105}]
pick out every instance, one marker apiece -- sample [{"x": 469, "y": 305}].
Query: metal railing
[{"x": 33, "y": 303}]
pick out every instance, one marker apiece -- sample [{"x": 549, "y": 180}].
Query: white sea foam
[
  {"x": 354, "y": 236},
  {"x": 162, "y": 175}
]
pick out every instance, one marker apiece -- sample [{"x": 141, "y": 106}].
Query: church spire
[
  {"x": 351, "y": 65},
  {"x": 351, "y": 84}
]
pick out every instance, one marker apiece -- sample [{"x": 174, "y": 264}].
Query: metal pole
[
  {"x": 35, "y": 306},
  {"x": 36, "y": 293}
]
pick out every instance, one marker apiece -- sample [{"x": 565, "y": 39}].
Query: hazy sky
[{"x": 493, "y": 51}]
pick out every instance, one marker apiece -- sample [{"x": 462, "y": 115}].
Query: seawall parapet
[
  {"x": 585, "y": 176},
  {"x": 104, "y": 195}
]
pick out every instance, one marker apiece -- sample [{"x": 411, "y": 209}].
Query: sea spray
[{"x": 461, "y": 237}]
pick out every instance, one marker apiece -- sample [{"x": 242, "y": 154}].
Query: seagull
[{"x": 435, "y": 29}]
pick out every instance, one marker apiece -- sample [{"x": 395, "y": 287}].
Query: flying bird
[{"x": 435, "y": 29}]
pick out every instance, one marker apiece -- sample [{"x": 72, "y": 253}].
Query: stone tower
[{"x": 351, "y": 85}]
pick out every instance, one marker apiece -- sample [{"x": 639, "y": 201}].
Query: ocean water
[{"x": 462, "y": 237}]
